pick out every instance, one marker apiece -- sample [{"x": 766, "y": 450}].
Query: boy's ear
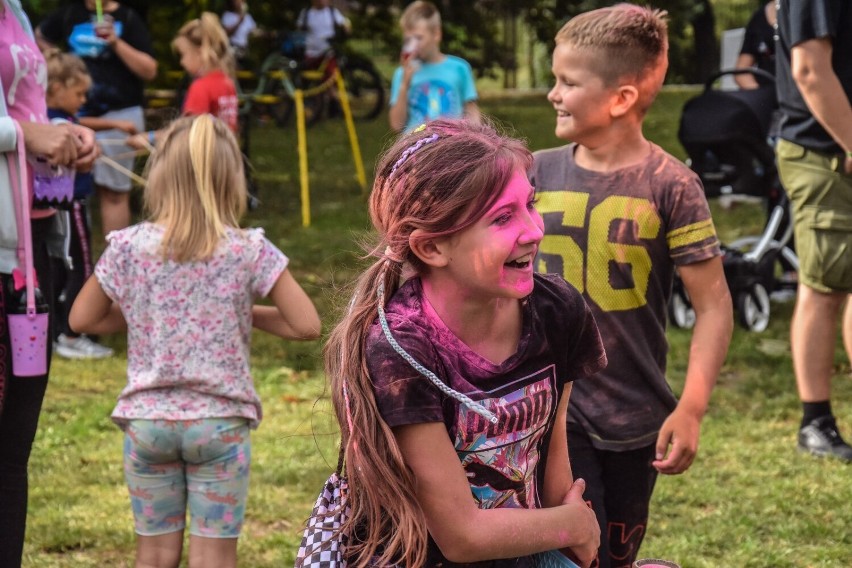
[
  {"x": 428, "y": 249},
  {"x": 625, "y": 99}
]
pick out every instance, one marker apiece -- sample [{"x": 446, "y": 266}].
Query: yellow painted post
[
  {"x": 350, "y": 126},
  {"x": 303, "y": 157}
]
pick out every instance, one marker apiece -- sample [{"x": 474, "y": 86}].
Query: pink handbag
[{"x": 28, "y": 322}]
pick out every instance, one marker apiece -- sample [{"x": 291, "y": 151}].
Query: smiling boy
[{"x": 620, "y": 216}]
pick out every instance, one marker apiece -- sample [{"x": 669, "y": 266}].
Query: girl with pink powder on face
[{"x": 456, "y": 452}]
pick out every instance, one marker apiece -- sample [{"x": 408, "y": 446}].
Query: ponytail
[{"x": 387, "y": 526}]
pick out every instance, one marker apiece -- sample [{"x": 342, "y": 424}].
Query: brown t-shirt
[
  {"x": 617, "y": 237},
  {"x": 505, "y": 462}
]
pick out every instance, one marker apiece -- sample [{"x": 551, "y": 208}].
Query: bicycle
[{"x": 289, "y": 70}]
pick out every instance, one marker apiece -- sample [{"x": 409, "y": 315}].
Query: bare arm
[
  {"x": 293, "y": 316},
  {"x": 98, "y": 123},
  {"x": 471, "y": 111},
  {"x": 745, "y": 80},
  {"x": 93, "y": 312},
  {"x": 822, "y": 91},
  {"x": 558, "y": 477},
  {"x": 705, "y": 283},
  {"x": 140, "y": 63},
  {"x": 398, "y": 114},
  {"x": 466, "y": 533}
]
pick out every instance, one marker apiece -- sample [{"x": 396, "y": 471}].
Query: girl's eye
[
  {"x": 532, "y": 203},
  {"x": 502, "y": 219}
]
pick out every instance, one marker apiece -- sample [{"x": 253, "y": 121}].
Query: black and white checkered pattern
[{"x": 323, "y": 542}]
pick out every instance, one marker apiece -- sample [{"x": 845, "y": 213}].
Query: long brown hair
[
  {"x": 196, "y": 186},
  {"x": 439, "y": 179}
]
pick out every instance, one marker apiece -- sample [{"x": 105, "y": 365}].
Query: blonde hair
[
  {"x": 438, "y": 180},
  {"x": 209, "y": 37},
  {"x": 196, "y": 186},
  {"x": 418, "y": 11},
  {"x": 627, "y": 42},
  {"x": 65, "y": 69}
]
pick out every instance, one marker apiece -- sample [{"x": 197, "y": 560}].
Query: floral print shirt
[{"x": 189, "y": 323}]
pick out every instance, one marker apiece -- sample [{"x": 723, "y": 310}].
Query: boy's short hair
[
  {"x": 628, "y": 42},
  {"x": 421, "y": 10}
]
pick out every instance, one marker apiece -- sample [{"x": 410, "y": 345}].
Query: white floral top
[{"x": 189, "y": 324}]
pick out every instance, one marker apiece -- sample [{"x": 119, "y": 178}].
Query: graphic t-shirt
[
  {"x": 188, "y": 323},
  {"x": 114, "y": 85},
  {"x": 213, "y": 93},
  {"x": 437, "y": 90},
  {"x": 800, "y": 21},
  {"x": 617, "y": 237},
  {"x": 23, "y": 72},
  {"x": 505, "y": 462}
]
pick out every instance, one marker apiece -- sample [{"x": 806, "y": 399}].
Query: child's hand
[
  {"x": 680, "y": 431},
  {"x": 585, "y": 528},
  {"x": 137, "y": 141},
  {"x": 126, "y": 126}
]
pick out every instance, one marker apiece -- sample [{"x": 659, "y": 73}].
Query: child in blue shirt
[{"x": 429, "y": 84}]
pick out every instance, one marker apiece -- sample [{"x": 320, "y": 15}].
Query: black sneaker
[{"x": 821, "y": 438}]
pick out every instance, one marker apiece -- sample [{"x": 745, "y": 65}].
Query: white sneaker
[{"x": 80, "y": 348}]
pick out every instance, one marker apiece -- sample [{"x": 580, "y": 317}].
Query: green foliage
[{"x": 749, "y": 499}]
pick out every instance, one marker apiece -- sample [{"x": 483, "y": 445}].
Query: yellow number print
[{"x": 573, "y": 206}]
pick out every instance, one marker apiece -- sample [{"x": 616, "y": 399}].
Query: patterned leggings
[{"x": 200, "y": 464}]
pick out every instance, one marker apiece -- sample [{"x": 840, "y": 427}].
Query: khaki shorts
[{"x": 821, "y": 198}]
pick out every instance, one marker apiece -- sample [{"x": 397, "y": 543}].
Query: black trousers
[
  {"x": 19, "y": 412},
  {"x": 69, "y": 281},
  {"x": 618, "y": 487}
]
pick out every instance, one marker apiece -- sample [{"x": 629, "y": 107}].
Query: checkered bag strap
[{"x": 323, "y": 542}]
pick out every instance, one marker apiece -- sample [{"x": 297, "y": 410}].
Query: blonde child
[
  {"x": 620, "y": 215},
  {"x": 433, "y": 481},
  {"x": 205, "y": 55},
  {"x": 429, "y": 84},
  {"x": 68, "y": 81},
  {"x": 185, "y": 282}
]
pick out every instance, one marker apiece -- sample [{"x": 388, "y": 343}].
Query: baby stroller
[{"x": 726, "y": 135}]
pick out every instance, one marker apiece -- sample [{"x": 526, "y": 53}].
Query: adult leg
[
  {"x": 19, "y": 416},
  {"x": 847, "y": 327},
  {"x": 629, "y": 482},
  {"x": 586, "y": 463},
  {"x": 813, "y": 333},
  {"x": 113, "y": 185},
  {"x": 115, "y": 209}
]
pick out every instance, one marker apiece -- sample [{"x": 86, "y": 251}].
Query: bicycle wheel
[{"x": 364, "y": 88}]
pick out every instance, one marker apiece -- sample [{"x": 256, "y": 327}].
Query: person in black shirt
[
  {"x": 120, "y": 58},
  {"x": 814, "y": 81},
  {"x": 758, "y": 49}
]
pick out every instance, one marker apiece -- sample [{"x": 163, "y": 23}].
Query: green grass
[{"x": 749, "y": 499}]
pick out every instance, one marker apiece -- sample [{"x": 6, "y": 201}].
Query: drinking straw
[{"x": 99, "y": 10}]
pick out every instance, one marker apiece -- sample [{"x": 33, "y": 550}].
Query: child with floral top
[{"x": 183, "y": 284}]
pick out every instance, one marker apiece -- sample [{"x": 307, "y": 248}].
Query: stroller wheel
[
  {"x": 680, "y": 310},
  {"x": 753, "y": 308}
]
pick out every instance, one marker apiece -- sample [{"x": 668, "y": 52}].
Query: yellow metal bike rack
[{"x": 299, "y": 96}]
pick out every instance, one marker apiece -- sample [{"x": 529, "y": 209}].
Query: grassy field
[{"x": 749, "y": 500}]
